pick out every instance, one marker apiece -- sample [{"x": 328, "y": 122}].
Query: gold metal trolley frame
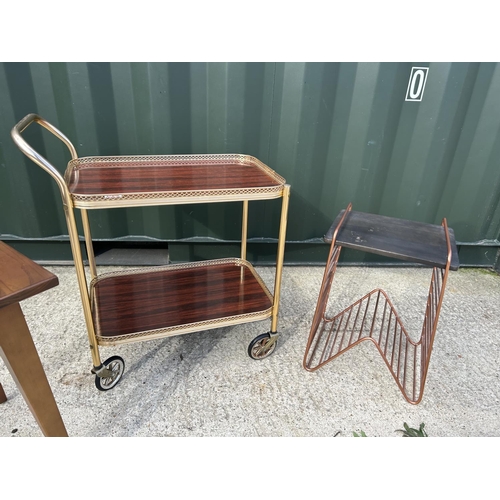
[
  {"x": 195, "y": 291},
  {"x": 373, "y": 317}
]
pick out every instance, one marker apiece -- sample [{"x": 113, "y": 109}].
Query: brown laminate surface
[
  {"x": 149, "y": 301},
  {"x": 20, "y": 277},
  {"x": 100, "y": 178}
]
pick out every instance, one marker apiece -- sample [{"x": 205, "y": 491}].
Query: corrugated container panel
[
  {"x": 136, "y": 108},
  {"x": 338, "y": 132},
  {"x": 344, "y": 133}
]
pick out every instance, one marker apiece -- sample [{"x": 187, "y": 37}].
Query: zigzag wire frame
[{"x": 374, "y": 318}]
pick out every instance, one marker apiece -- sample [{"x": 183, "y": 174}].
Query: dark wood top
[
  {"x": 147, "y": 301},
  {"x": 20, "y": 277},
  {"x": 397, "y": 238}
]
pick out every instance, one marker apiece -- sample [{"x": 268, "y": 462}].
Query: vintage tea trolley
[{"x": 135, "y": 305}]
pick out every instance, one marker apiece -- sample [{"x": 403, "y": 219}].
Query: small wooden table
[{"x": 21, "y": 278}]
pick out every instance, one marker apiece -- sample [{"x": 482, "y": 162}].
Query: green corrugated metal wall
[{"x": 338, "y": 132}]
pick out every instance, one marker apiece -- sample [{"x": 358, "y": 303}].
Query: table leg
[
  {"x": 3, "y": 397},
  {"x": 21, "y": 357}
]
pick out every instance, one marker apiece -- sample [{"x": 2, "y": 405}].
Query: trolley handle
[{"x": 36, "y": 157}]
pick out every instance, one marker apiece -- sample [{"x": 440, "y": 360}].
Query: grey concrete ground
[{"x": 204, "y": 384}]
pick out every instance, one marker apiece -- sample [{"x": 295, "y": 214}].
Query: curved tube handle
[{"x": 38, "y": 158}]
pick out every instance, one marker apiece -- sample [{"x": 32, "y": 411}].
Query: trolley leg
[
  {"x": 82, "y": 283},
  {"x": 244, "y": 233},
  {"x": 279, "y": 259},
  {"x": 264, "y": 345},
  {"x": 244, "y": 230},
  {"x": 88, "y": 243}
]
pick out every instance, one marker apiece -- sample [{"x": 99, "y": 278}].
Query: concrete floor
[{"x": 204, "y": 384}]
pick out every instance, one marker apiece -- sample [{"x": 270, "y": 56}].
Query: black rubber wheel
[
  {"x": 257, "y": 349},
  {"x": 117, "y": 366}
]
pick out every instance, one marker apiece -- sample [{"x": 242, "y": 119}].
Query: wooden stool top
[{"x": 397, "y": 238}]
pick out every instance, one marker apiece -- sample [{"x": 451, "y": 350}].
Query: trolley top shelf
[
  {"x": 397, "y": 238},
  {"x": 108, "y": 182}
]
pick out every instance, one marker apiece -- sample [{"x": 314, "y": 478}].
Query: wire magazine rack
[{"x": 373, "y": 317}]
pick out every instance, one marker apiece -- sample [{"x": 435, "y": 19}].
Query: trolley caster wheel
[
  {"x": 258, "y": 349},
  {"x": 117, "y": 367}
]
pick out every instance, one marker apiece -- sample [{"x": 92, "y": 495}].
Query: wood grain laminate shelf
[
  {"x": 188, "y": 297},
  {"x": 106, "y": 182}
]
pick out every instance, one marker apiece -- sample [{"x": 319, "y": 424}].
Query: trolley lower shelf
[{"x": 176, "y": 299}]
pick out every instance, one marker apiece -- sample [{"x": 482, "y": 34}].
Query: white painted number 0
[
  {"x": 420, "y": 75},
  {"x": 416, "y": 85}
]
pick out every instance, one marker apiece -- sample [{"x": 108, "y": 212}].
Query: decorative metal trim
[
  {"x": 182, "y": 329},
  {"x": 186, "y": 265}
]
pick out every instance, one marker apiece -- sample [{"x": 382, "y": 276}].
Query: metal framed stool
[{"x": 373, "y": 317}]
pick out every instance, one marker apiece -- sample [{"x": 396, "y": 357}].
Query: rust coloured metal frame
[
  {"x": 71, "y": 198},
  {"x": 374, "y": 318}
]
